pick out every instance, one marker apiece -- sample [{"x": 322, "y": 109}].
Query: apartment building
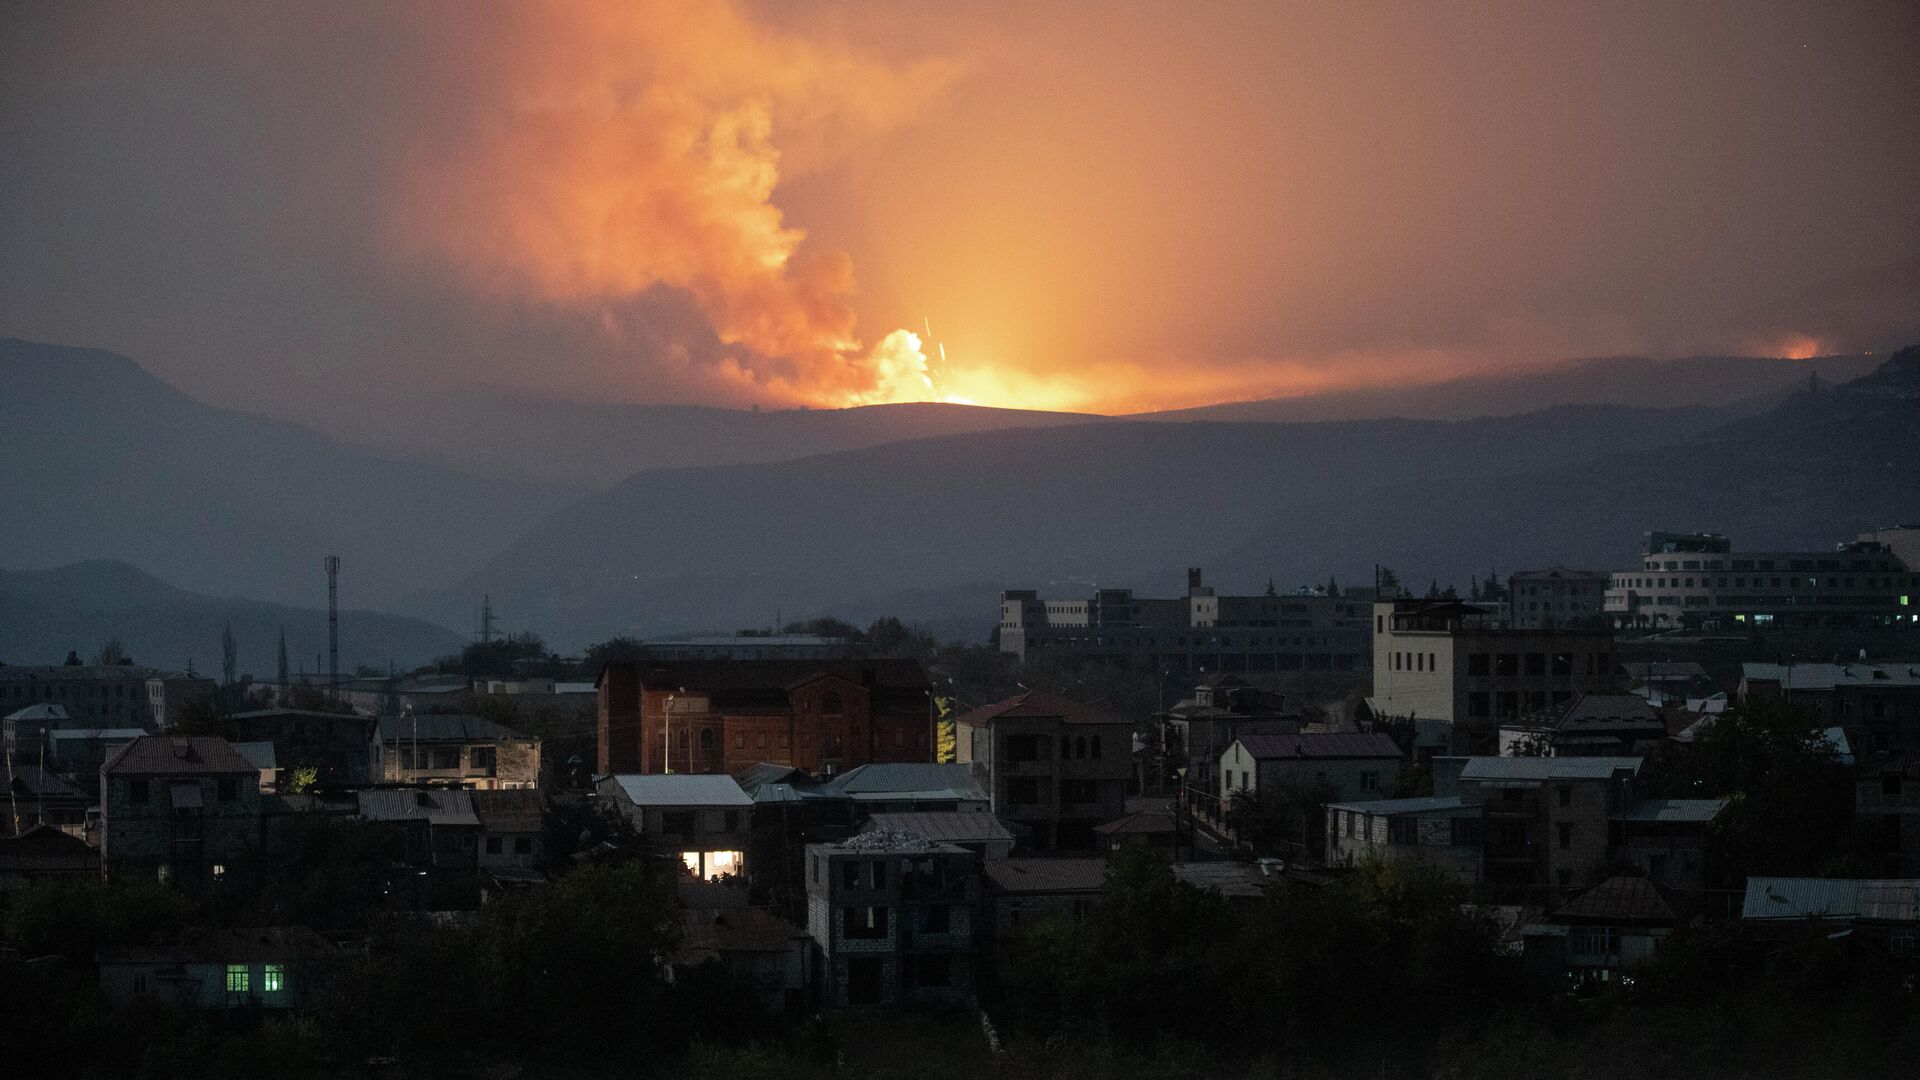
[
  {"x": 178, "y": 808},
  {"x": 1459, "y": 663},
  {"x": 896, "y": 918},
  {"x": 1309, "y": 629},
  {"x": 1555, "y": 597},
  {"x": 1051, "y": 764},
  {"x": 1879, "y": 701},
  {"x": 1546, "y": 821},
  {"x": 1697, "y": 581}
]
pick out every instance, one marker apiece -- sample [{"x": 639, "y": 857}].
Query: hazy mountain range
[{"x": 921, "y": 510}]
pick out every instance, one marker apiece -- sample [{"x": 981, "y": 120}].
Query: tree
[
  {"x": 1385, "y": 578},
  {"x": 618, "y": 650},
  {"x": 1271, "y": 591},
  {"x": 113, "y": 652},
  {"x": 229, "y": 656},
  {"x": 1333, "y": 586},
  {"x": 1433, "y": 589}
]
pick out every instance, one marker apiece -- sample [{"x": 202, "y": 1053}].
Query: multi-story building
[
  {"x": 333, "y": 744},
  {"x": 1222, "y": 708},
  {"x": 1051, "y": 764},
  {"x": 1554, "y": 597},
  {"x": 1348, "y": 765},
  {"x": 1308, "y": 630},
  {"x": 706, "y": 820},
  {"x": 1546, "y": 821},
  {"x": 180, "y": 808},
  {"x": 171, "y": 693},
  {"x": 1457, "y": 662},
  {"x": 94, "y": 695},
  {"x": 1596, "y": 725},
  {"x": 1697, "y": 581},
  {"x": 1442, "y": 831},
  {"x": 896, "y": 918},
  {"x": 462, "y": 750},
  {"x": 825, "y": 716},
  {"x": 756, "y": 647},
  {"x": 1878, "y": 701}
]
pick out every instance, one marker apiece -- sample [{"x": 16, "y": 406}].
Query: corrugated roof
[
  {"x": 1905, "y": 673},
  {"x": 156, "y": 755},
  {"x": 36, "y": 781},
  {"x": 1038, "y": 705},
  {"x": 259, "y": 753},
  {"x": 1320, "y": 745},
  {"x": 1884, "y": 899},
  {"x": 681, "y": 789},
  {"x": 1620, "y": 899},
  {"x": 1047, "y": 875},
  {"x": 1389, "y": 807},
  {"x": 950, "y": 826},
  {"x": 897, "y": 780},
  {"x": 513, "y": 810},
  {"x": 58, "y": 735},
  {"x": 438, "y": 806},
  {"x": 1546, "y": 768},
  {"x": 443, "y": 727},
  {"x": 1229, "y": 879},
  {"x": 1143, "y": 823},
  {"x": 1698, "y": 811},
  {"x": 44, "y": 711}
]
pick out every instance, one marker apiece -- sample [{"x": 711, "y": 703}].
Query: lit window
[
  {"x": 236, "y": 978},
  {"x": 273, "y": 978}
]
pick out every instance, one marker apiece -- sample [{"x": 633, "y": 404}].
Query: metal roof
[
  {"x": 1885, "y": 899},
  {"x": 509, "y": 810},
  {"x": 1320, "y": 745},
  {"x": 680, "y": 789},
  {"x": 1547, "y": 768},
  {"x": 259, "y": 753},
  {"x": 1229, "y": 879},
  {"x": 440, "y": 806},
  {"x": 896, "y": 780},
  {"x": 439, "y": 727},
  {"x": 1038, "y": 705},
  {"x": 1697, "y": 811},
  {"x": 43, "y": 711},
  {"x": 1389, "y": 807},
  {"x": 1047, "y": 875},
  {"x": 952, "y": 826},
  {"x": 1901, "y": 673}
]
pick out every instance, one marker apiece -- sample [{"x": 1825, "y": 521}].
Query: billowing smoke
[{"x": 598, "y": 151}]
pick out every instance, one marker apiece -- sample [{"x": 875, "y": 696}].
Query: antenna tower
[{"x": 333, "y": 622}]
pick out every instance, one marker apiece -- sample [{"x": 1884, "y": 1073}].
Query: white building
[{"x": 1697, "y": 581}]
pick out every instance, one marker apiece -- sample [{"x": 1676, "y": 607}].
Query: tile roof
[
  {"x": 899, "y": 780},
  {"x": 42, "y": 847},
  {"x": 1883, "y": 899},
  {"x": 1038, "y": 705},
  {"x": 949, "y": 826},
  {"x": 1229, "y": 879},
  {"x": 1605, "y": 712},
  {"x": 154, "y": 755},
  {"x": 39, "y": 782},
  {"x": 436, "y": 806},
  {"x": 1699, "y": 811},
  {"x": 442, "y": 727},
  {"x": 1047, "y": 875},
  {"x": 1620, "y": 899},
  {"x": 204, "y": 946},
  {"x": 1388, "y": 807},
  {"x": 509, "y": 810},
  {"x": 734, "y": 929},
  {"x": 1320, "y": 745},
  {"x": 1546, "y": 768},
  {"x": 680, "y": 789},
  {"x": 1143, "y": 823}
]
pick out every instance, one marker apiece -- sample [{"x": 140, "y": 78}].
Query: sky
[{"x": 1108, "y": 207}]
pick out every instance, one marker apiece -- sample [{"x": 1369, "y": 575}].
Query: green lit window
[
  {"x": 274, "y": 978},
  {"x": 236, "y": 978}
]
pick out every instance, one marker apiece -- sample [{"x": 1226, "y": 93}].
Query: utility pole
[
  {"x": 333, "y": 625},
  {"x": 486, "y": 619}
]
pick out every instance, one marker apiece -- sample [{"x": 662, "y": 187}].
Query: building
[
  {"x": 757, "y": 947},
  {"x": 705, "y": 819},
  {"x": 171, "y": 693},
  {"x": 1886, "y": 910},
  {"x": 981, "y": 834},
  {"x": 1547, "y": 822},
  {"x": 262, "y": 756},
  {"x": 513, "y": 829},
  {"x": 1308, "y": 630},
  {"x": 333, "y": 744},
  {"x": 1886, "y": 797},
  {"x": 79, "y": 752},
  {"x": 1452, "y": 661},
  {"x": 43, "y": 851},
  {"x": 1556, "y": 597},
  {"x": 1145, "y": 830},
  {"x": 756, "y": 647},
  {"x": 900, "y": 787},
  {"x": 39, "y": 796},
  {"x": 181, "y": 808},
  {"x": 1343, "y": 764},
  {"x": 1599, "y": 935},
  {"x": 1223, "y": 708},
  {"x": 725, "y": 716},
  {"x": 276, "y": 967},
  {"x": 1051, "y": 765},
  {"x": 1696, "y": 581},
  {"x": 1442, "y": 831},
  {"x": 463, "y": 750},
  {"x": 1232, "y": 881},
  {"x": 94, "y": 695},
  {"x": 1021, "y": 892},
  {"x": 439, "y": 826},
  {"x": 25, "y": 730},
  {"x": 1880, "y": 700},
  {"x": 1665, "y": 840},
  {"x": 894, "y": 916},
  {"x": 1594, "y": 725}
]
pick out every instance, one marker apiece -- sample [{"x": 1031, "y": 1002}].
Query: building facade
[
  {"x": 1347, "y": 765},
  {"x": 706, "y": 820},
  {"x": 180, "y": 808},
  {"x": 335, "y": 745},
  {"x": 895, "y": 917},
  {"x": 1049, "y": 764},
  {"x": 1308, "y": 630},
  {"x": 1439, "y": 831},
  {"x": 463, "y": 750},
  {"x": 94, "y": 695},
  {"x": 1697, "y": 581},
  {"x": 1556, "y": 597},
  {"x": 726, "y": 716}
]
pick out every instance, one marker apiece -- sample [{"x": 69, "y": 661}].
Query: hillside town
[{"x": 1578, "y": 785}]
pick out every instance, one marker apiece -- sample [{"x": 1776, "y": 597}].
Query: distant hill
[
  {"x": 45, "y": 613},
  {"x": 104, "y": 461},
  {"x": 583, "y": 443},
  {"x": 1744, "y": 383}
]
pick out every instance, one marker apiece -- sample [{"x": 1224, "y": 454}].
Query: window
[
  {"x": 1566, "y": 835},
  {"x": 1023, "y": 791},
  {"x": 236, "y": 978},
  {"x": 1890, "y": 784},
  {"x": 523, "y": 845},
  {"x": 879, "y": 874},
  {"x": 1403, "y": 830},
  {"x": 1096, "y": 747},
  {"x": 1565, "y": 792},
  {"x": 446, "y": 758},
  {"x": 493, "y": 845},
  {"x": 939, "y": 919},
  {"x": 1479, "y": 704},
  {"x": 677, "y": 822},
  {"x": 1024, "y": 748},
  {"x": 864, "y": 923},
  {"x": 229, "y": 788},
  {"x": 1080, "y": 746},
  {"x": 1536, "y": 663},
  {"x": 1506, "y": 665},
  {"x": 273, "y": 978},
  {"x": 850, "y": 875},
  {"x": 933, "y": 972},
  {"x": 136, "y": 791},
  {"x": 1369, "y": 781},
  {"x": 731, "y": 821},
  {"x": 482, "y": 759},
  {"x": 1590, "y": 941},
  {"x": 817, "y": 862}
]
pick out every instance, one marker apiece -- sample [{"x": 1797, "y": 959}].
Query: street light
[{"x": 666, "y": 738}]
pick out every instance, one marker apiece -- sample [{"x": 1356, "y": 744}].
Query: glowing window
[
  {"x": 236, "y": 978},
  {"x": 273, "y": 978}
]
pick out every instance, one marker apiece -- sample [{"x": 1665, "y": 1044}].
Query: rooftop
[
  {"x": 155, "y": 755},
  {"x": 439, "y": 806},
  {"x": 1546, "y": 768},
  {"x": 515, "y": 810},
  {"x": 259, "y": 753},
  {"x": 439, "y": 727},
  {"x": 897, "y": 781},
  {"x": 1620, "y": 899},
  {"x": 206, "y": 946},
  {"x": 681, "y": 789},
  {"x": 45, "y": 711},
  {"x": 1038, "y": 705},
  {"x": 1892, "y": 673},
  {"x": 1320, "y": 745},
  {"x": 1143, "y": 823},
  {"x": 1047, "y": 875},
  {"x": 1693, "y": 811},
  {"x": 733, "y": 929},
  {"x": 1233, "y": 880},
  {"x": 948, "y": 826},
  {"x": 732, "y": 681},
  {"x": 884, "y": 840},
  {"x": 1429, "y": 804},
  {"x": 1884, "y": 899}
]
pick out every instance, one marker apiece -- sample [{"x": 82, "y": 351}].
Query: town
[{"x": 1127, "y": 820}]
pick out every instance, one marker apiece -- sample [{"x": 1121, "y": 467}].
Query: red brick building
[{"x": 825, "y": 716}]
